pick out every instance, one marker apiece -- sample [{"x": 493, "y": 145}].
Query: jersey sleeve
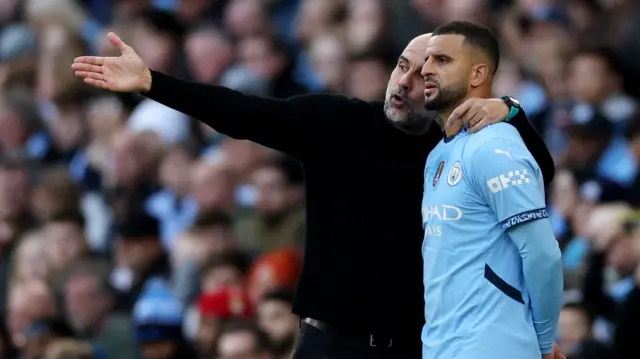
[{"x": 509, "y": 181}]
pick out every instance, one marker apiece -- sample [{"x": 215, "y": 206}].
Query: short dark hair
[
  {"x": 284, "y": 295},
  {"x": 475, "y": 35},
  {"x": 581, "y": 308},
  {"x": 604, "y": 53},
  {"x": 232, "y": 258},
  {"x": 163, "y": 22},
  {"x": 289, "y": 166},
  {"x": 246, "y": 326},
  {"x": 74, "y": 217},
  {"x": 213, "y": 219}
]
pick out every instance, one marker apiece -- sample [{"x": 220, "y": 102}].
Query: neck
[
  {"x": 449, "y": 129},
  {"x": 452, "y": 129}
]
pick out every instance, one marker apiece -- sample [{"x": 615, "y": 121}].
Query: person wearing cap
[
  {"x": 139, "y": 255},
  {"x": 157, "y": 319},
  {"x": 273, "y": 270},
  {"x": 215, "y": 309}
]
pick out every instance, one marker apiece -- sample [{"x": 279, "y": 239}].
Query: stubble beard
[
  {"x": 414, "y": 121},
  {"x": 444, "y": 100}
]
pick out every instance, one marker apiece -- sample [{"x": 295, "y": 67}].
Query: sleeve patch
[{"x": 525, "y": 217}]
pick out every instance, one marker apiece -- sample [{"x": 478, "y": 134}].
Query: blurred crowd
[{"x": 128, "y": 230}]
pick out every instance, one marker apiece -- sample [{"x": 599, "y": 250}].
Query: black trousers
[{"x": 314, "y": 343}]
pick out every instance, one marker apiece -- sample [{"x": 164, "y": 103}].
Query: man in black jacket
[{"x": 360, "y": 291}]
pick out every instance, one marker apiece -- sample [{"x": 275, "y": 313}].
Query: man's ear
[{"x": 479, "y": 74}]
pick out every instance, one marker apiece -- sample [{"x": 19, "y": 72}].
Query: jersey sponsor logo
[
  {"x": 525, "y": 217},
  {"x": 436, "y": 178},
  {"x": 513, "y": 178},
  {"x": 455, "y": 174},
  {"x": 443, "y": 212}
]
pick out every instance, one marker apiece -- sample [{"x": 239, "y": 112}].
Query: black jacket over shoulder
[{"x": 364, "y": 179}]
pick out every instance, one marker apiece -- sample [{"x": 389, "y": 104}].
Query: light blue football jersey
[{"x": 476, "y": 187}]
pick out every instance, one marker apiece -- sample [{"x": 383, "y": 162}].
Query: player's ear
[{"x": 479, "y": 74}]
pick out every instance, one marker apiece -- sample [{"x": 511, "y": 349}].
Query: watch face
[{"x": 515, "y": 102}]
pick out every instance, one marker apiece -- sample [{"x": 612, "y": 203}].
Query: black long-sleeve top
[{"x": 364, "y": 178}]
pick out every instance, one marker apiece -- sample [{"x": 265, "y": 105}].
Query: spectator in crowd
[
  {"x": 226, "y": 269},
  {"x": 576, "y": 336},
  {"x": 278, "y": 218},
  {"x": 215, "y": 309},
  {"x": 55, "y": 193},
  {"x": 209, "y": 52},
  {"x": 28, "y": 302},
  {"x": 172, "y": 206},
  {"x": 64, "y": 235},
  {"x": 139, "y": 257},
  {"x": 275, "y": 318},
  {"x": 157, "y": 319},
  {"x": 277, "y": 269},
  {"x": 243, "y": 340},
  {"x": 30, "y": 261},
  {"x": 212, "y": 186},
  {"x": 89, "y": 301}
]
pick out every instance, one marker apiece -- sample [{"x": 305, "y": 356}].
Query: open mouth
[{"x": 398, "y": 100}]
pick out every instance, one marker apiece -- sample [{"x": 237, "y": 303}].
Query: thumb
[
  {"x": 458, "y": 112},
  {"x": 117, "y": 42}
]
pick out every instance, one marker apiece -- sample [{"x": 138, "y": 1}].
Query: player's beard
[
  {"x": 415, "y": 121},
  {"x": 446, "y": 98}
]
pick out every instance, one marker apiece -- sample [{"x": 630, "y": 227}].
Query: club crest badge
[
  {"x": 455, "y": 174},
  {"x": 436, "y": 178}
]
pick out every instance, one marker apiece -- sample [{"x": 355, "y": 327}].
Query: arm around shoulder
[
  {"x": 286, "y": 125},
  {"x": 535, "y": 144}
]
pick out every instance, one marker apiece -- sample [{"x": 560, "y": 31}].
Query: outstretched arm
[
  {"x": 511, "y": 183},
  {"x": 289, "y": 125},
  {"x": 293, "y": 126}
]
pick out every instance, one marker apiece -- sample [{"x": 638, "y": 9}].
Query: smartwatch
[{"x": 514, "y": 107}]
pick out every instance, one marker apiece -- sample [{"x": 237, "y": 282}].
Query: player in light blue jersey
[{"x": 492, "y": 269}]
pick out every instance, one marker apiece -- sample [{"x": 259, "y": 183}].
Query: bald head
[
  {"x": 404, "y": 101},
  {"x": 420, "y": 40}
]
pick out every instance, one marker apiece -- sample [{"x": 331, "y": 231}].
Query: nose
[
  {"x": 405, "y": 82},
  {"x": 427, "y": 69}
]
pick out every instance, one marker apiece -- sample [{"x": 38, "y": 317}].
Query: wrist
[
  {"x": 544, "y": 350},
  {"x": 146, "y": 81},
  {"x": 513, "y": 105}
]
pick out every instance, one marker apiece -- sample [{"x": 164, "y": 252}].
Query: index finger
[
  {"x": 91, "y": 60},
  {"x": 459, "y": 112}
]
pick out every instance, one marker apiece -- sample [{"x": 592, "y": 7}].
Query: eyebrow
[{"x": 402, "y": 58}]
